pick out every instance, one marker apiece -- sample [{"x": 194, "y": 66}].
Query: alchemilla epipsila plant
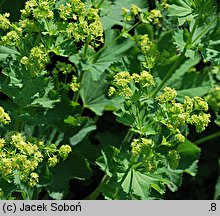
[{"x": 104, "y": 95}]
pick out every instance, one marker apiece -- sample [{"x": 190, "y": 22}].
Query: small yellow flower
[
  {"x": 52, "y": 161},
  {"x": 64, "y": 151}
]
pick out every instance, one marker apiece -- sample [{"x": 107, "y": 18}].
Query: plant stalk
[
  {"x": 128, "y": 136},
  {"x": 207, "y": 138},
  {"x": 176, "y": 65},
  {"x": 178, "y": 62},
  {"x": 97, "y": 191}
]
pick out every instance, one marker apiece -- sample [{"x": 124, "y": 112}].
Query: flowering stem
[
  {"x": 207, "y": 138},
  {"x": 128, "y": 136},
  {"x": 178, "y": 62},
  {"x": 97, "y": 191},
  {"x": 176, "y": 65}
]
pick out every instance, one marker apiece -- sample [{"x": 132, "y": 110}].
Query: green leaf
[
  {"x": 179, "y": 39},
  {"x": 74, "y": 167},
  {"x": 192, "y": 170},
  {"x": 88, "y": 150},
  {"x": 125, "y": 118},
  {"x": 107, "y": 162},
  {"x": 88, "y": 127},
  {"x": 93, "y": 94},
  {"x": 188, "y": 10},
  {"x": 24, "y": 89},
  {"x": 6, "y": 51},
  {"x": 114, "y": 49},
  {"x": 165, "y": 43},
  {"x": 173, "y": 179},
  {"x": 190, "y": 83},
  {"x": 8, "y": 188},
  {"x": 134, "y": 182},
  {"x": 28, "y": 192},
  {"x": 180, "y": 11},
  {"x": 211, "y": 45},
  {"x": 139, "y": 183},
  {"x": 113, "y": 191},
  {"x": 145, "y": 28},
  {"x": 189, "y": 154}
]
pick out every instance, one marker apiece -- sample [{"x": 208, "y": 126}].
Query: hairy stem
[
  {"x": 128, "y": 136},
  {"x": 176, "y": 65},
  {"x": 97, "y": 191},
  {"x": 207, "y": 138},
  {"x": 178, "y": 62}
]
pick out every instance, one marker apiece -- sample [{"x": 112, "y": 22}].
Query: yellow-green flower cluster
[
  {"x": 191, "y": 111},
  {"x": 64, "y": 151},
  {"x": 145, "y": 79},
  {"x": 12, "y": 37},
  {"x": 39, "y": 9},
  {"x": 74, "y": 85},
  {"x": 135, "y": 10},
  {"x": 164, "y": 4},
  {"x": 129, "y": 14},
  {"x": 152, "y": 16},
  {"x": 144, "y": 43},
  {"x": 173, "y": 158},
  {"x": 155, "y": 15},
  {"x": 149, "y": 51},
  {"x": 63, "y": 67},
  {"x": 74, "y": 21},
  {"x": 33, "y": 179},
  {"x": 168, "y": 95},
  {"x": 4, "y": 117},
  {"x": 144, "y": 148},
  {"x": 53, "y": 161},
  {"x": 28, "y": 25},
  {"x": 200, "y": 120},
  {"x": 37, "y": 59},
  {"x": 126, "y": 14},
  {"x": 122, "y": 83},
  {"x": 86, "y": 22},
  {"x": 4, "y": 21},
  {"x": 1, "y": 193},
  {"x": 22, "y": 156},
  {"x": 179, "y": 138}
]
